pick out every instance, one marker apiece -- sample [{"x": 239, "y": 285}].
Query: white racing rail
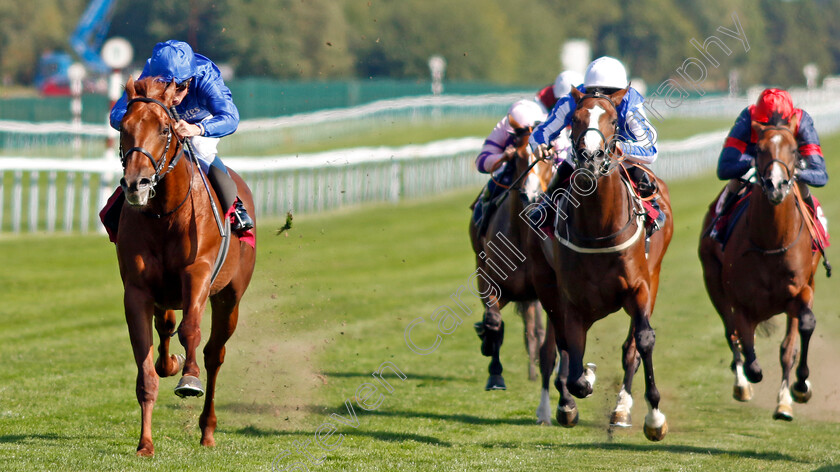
[{"x": 49, "y": 194}]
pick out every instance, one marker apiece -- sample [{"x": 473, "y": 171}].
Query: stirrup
[{"x": 242, "y": 222}]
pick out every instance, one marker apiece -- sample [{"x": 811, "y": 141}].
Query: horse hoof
[
  {"x": 742, "y": 393},
  {"x": 656, "y": 434},
  {"x": 620, "y": 419},
  {"x": 784, "y": 413},
  {"x": 567, "y": 418},
  {"x": 189, "y": 386},
  {"x": 145, "y": 451},
  {"x": 495, "y": 382},
  {"x": 802, "y": 397},
  {"x": 589, "y": 373}
]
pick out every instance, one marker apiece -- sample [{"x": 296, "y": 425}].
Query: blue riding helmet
[{"x": 172, "y": 60}]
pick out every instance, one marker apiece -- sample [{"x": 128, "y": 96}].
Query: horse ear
[
  {"x": 756, "y": 126},
  {"x": 576, "y": 94},
  {"x": 617, "y": 97},
  {"x": 130, "y": 91}
]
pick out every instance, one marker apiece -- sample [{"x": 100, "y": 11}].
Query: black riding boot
[{"x": 225, "y": 189}]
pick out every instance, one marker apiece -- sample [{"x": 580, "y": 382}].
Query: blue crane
[{"x": 85, "y": 41}]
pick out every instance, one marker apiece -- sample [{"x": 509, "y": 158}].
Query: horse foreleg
[
  {"x": 630, "y": 360},
  {"x": 195, "y": 288},
  {"x": 807, "y": 322},
  {"x": 138, "y": 315},
  {"x": 166, "y": 364},
  {"x": 224, "y": 323},
  {"x": 567, "y": 412},
  {"x": 644, "y": 336},
  {"x": 787, "y": 356},
  {"x": 575, "y": 336},
  {"x": 746, "y": 336},
  {"x": 548, "y": 357}
]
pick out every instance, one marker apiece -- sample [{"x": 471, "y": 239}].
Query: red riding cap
[{"x": 772, "y": 101}]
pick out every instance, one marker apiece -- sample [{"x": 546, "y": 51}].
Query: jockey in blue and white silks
[
  {"x": 638, "y": 136},
  {"x": 207, "y": 113}
]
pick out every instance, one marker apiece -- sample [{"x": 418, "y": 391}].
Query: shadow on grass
[
  {"x": 389, "y": 436},
  {"x": 16, "y": 438},
  {"x": 685, "y": 449},
  {"x": 410, "y": 376},
  {"x": 460, "y": 418}
]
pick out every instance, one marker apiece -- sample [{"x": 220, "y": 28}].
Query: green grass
[
  {"x": 681, "y": 128},
  {"x": 329, "y": 304}
]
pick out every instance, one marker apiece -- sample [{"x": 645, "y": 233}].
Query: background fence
[{"x": 60, "y": 194}]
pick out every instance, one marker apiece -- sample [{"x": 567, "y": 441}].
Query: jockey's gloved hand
[{"x": 542, "y": 151}]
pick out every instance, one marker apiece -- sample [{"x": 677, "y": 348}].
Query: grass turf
[{"x": 328, "y": 305}]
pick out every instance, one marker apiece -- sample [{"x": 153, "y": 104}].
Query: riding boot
[{"x": 225, "y": 189}]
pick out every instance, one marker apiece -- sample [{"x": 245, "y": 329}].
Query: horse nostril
[
  {"x": 123, "y": 183},
  {"x": 144, "y": 182}
]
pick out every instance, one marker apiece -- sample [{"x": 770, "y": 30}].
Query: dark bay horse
[
  {"x": 767, "y": 267},
  {"x": 167, "y": 244},
  {"x": 509, "y": 269},
  {"x": 601, "y": 265}
]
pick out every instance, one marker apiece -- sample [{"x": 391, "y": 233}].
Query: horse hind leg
[
  {"x": 787, "y": 356},
  {"x": 533, "y": 333},
  {"x": 166, "y": 365},
  {"x": 224, "y": 324},
  {"x": 801, "y": 390},
  {"x": 631, "y": 360},
  {"x": 548, "y": 357}
]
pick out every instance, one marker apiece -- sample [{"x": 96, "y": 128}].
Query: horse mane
[{"x": 776, "y": 119}]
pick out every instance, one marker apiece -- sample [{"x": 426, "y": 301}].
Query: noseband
[{"x": 156, "y": 163}]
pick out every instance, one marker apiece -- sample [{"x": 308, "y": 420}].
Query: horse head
[
  {"x": 541, "y": 173},
  {"x": 146, "y": 138},
  {"x": 595, "y": 130},
  {"x": 776, "y": 158}
]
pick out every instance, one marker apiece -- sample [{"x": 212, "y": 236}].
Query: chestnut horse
[
  {"x": 767, "y": 267},
  {"x": 167, "y": 244},
  {"x": 601, "y": 265},
  {"x": 508, "y": 275}
]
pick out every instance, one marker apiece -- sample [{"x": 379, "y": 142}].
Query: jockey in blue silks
[
  {"x": 738, "y": 153},
  {"x": 207, "y": 112},
  {"x": 636, "y": 136}
]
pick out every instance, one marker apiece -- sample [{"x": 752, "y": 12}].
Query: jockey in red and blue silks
[
  {"x": 205, "y": 106},
  {"x": 637, "y": 137},
  {"x": 738, "y": 152}
]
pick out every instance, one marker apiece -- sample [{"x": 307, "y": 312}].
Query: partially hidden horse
[
  {"x": 167, "y": 243},
  {"x": 602, "y": 266},
  {"x": 507, "y": 274},
  {"x": 767, "y": 267}
]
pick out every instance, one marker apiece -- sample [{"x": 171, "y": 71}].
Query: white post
[
  {"x": 437, "y": 66},
  {"x": 117, "y": 54},
  {"x": 76, "y": 73}
]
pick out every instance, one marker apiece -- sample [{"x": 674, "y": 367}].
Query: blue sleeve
[
  {"x": 733, "y": 163},
  {"x": 815, "y": 173},
  {"x": 556, "y": 122},
  {"x": 218, "y": 99}
]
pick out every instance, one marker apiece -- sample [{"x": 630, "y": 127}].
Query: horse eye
[
  {"x": 614, "y": 122},
  {"x": 165, "y": 131}
]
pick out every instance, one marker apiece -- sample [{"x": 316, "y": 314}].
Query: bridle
[
  {"x": 767, "y": 183},
  {"x": 158, "y": 164},
  {"x": 581, "y": 155}
]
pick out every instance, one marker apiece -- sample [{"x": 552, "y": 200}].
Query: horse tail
[{"x": 766, "y": 328}]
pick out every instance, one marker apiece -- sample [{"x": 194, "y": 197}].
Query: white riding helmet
[
  {"x": 525, "y": 114},
  {"x": 607, "y": 72},
  {"x": 565, "y": 81}
]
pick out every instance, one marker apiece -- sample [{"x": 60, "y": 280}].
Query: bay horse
[
  {"x": 602, "y": 266},
  {"x": 767, "y": 267},
  {"x": 508, "y": 269},
  {"x": 167, "y": 243}
]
